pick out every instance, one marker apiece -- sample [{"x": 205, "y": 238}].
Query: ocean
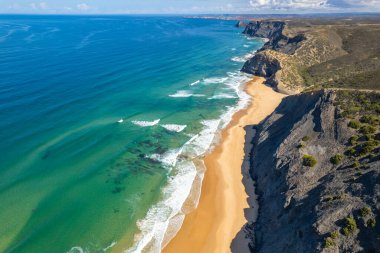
[{"x": 104, "y": 121}]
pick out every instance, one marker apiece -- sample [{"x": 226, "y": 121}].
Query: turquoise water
[{"x": 102, "y": 119}]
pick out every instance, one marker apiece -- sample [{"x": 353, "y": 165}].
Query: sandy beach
[{"x": 213, "y": 225}]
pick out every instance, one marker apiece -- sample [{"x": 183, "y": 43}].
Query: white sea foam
[
  {"x": 120, "y": 121},
  {"x": 243, "y": 58},
  {"x": 144, "y": 123},
  {"x": 76, "y": 249},
  {"x": 222, "y": 96},
  {"x": 156, "y": 223},
  {"x": 168, "y": 159},
  {"x": 233, "y": 49},
  {"x": 195, "y": 83},
  {"x": 164, "y": 219},
  {"x": 109, "y": 246},
  {"x": 246, "y": 45},
  {"x": 174, "y": 127},
  {"x": 185, "y": 94},
  {"x": 215, "y": 80}
]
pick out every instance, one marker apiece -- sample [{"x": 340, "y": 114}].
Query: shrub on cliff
[
  {"x": 356, "y": 164},
  {"x": 371, "y": 223},
  {"x": 350, "y": 227},
  {"x": 354, "y": 124},
  {"x": 367, "y": 130},
  {"x": 329, "y": 242},
  {"x": 335, "y": 234},
  {"x": 309, "y": 161},
  {"x": 367, "y": 119},
  {"x": 336, "y": 159},
  {"x": 365, "y": 211},
  {"x": 369, "y": 146},
  {"x": 353, "y": 140},
  {"x": 305, "y": 138}
]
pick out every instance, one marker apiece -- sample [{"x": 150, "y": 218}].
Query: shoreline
[{"x": 219, "y": 216}]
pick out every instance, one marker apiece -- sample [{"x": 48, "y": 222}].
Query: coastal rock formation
[
  {"x": 273, "y": 31},
  {"x": 240, "y": 24},
  {"x": 265, "y": 66},
  {"x": 263, "y": 63},
  {"x": 317, "y": 178}
]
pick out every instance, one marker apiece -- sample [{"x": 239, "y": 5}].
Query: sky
[{"x": 185, "y": 6}]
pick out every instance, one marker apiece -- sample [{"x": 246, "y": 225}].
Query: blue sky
[{"x": 184, "y": 6}]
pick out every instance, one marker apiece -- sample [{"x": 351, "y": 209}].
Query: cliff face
[
  {"x": 273, "y": 31},
  {"x": 332, "y": 206},
  {"x": 264, "y": 63},
  {"x": 265, "y": 66}
]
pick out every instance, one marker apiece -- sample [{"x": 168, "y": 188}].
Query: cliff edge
[
  {"x": 317, "y": 168},
  {"x": 313, "y": 53}
]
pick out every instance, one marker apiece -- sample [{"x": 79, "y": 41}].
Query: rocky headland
[
  {"x": 315, "y": 161},
  {"x": 311, "y": 53}
]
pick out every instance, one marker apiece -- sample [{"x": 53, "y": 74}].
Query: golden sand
[{"x": 212, "y": 226}]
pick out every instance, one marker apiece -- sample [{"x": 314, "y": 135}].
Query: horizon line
[{"x": 194, "y": 14}]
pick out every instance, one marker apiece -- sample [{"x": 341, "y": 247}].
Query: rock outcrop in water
[
  {"x": 240, "y": 24},
  {"x": 332, "y": 206}
]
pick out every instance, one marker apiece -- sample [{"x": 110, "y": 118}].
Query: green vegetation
[
  {"x": 365, "y": 211},
  {"x": 305, "y": 138},
  {"x": 369, "y": 137},
  {"x": 350, "y": 152},
  {"x": 301, "y": 145},
  {"x": 356, "y": 164},
  {"x": 354, "y": 124},
  {"x": 353, "y": 140},
  {"x": 350, "y": 227},
  {"x": 367, "y": 119},
  {"x": 336, "y": 159},
  {"x": 336, "y": 197},
  {"x": 309, "y": 161},
  {"x": 366, "y": 147},
  {"x": 367, "y": 130},
  {"x": 371, "y": 223},
  {"x": 335, "y": 234},
  {"x": 329, "y": 242}
]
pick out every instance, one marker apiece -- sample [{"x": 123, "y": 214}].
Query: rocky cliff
[
  {"x": 316, "y": 162},
  {"x": 292, "y": 49},
  {"x": 273, "y": 31},
  {"x": 264, "y": 63}
]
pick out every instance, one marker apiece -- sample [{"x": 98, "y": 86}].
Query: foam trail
[
  {"x": 167, "y": 159},
  {"x": 195, "y": 83},
  {"x": 212, "y": 80},
  {"x": 109, "y": 246},
  {"x": 243, "y": 58},
  {"x": 185, "y": 94},
  {"x": 76, "y": 249},
  {"x": 222, "y": 96},
  {"x": 174, "y": 127},
  {"x": 143, "y": 123}
]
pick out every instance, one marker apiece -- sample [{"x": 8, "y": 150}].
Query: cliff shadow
[{"x": 277, "y": 126}]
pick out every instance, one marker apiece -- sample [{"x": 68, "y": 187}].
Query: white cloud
[
  {"x": 288, "y": 4},
  {"x": 33, "y": 6},
  {"x": 83, "y": 7},
  {"x": 39, "y": 6},
  {"x": 43, "y": 6},
  {"x": 364, "y": 3},
  {"x": 14, "y": 6}
]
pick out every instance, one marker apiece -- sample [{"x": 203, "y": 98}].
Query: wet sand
[{"x": 212, "y": 226}]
